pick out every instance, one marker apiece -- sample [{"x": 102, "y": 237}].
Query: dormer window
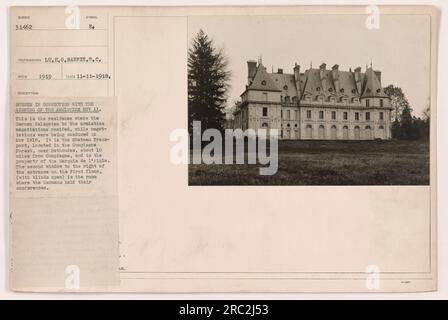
[
  {"x": 342, "y": 90},
  {"x": 353, "y": 91},
  {"x": 331, "y": 89},
  {"x": 368, "y": 90},
  {"x": 285, "y": 87},
  {"x": 263, "y": 82},
  {"x": 378, "y": 90},
  {"x": 318, "y": 89}
]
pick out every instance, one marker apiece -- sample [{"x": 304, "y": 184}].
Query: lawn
[{"x": 329, "y": 163}]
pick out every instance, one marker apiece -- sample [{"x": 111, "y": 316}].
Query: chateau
[{"x": 315, "y": 104}]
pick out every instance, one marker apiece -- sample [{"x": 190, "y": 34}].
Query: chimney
[
  {"x": 297, "y": 79},
  {"x": 335, "y": 67},
  {"x": 335, "y": 76},
  {"x": 358, "y": 79},
  {"x": 251, "y": 69},
  {"x": 296, "y": 72},
  {"x": 322, "y": 69},
  {"x": 279, "y": 71}
]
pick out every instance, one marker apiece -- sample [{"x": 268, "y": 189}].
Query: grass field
[{"x": 329, "y": 163}]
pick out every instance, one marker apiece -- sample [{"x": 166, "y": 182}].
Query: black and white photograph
[{"x": 347, "y": 95}]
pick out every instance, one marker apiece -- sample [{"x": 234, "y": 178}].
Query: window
[
  {"x": 333, "y": 115},
  {"x": 263, "y": 83},
  {"x": 264, "y": 125},
  {"x": 356, "y": 115},
  {"x": 381, "y": 115},
  {"x": 367, "y": 103},
  {"x": 296, "y": 115},
  {"x": 265, "y": 112},
  {"x": 281, "y": 113},
  {"x": 381, "y": 103},
  {"x": 265, "y": 96},
  {"x": 367, "y": 116},
  {"x": 308, "y": 114},
  {"x": 285, "y": 87},
  {"x": 321, "y": 114},
  {"x": 287, "y": 99},
  {"x": 345, "y": 115},
  {"x": 288, "y": 114}
]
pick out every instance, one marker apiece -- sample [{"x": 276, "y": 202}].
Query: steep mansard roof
[
  {"x": 286, "y": 83},
  {"x": 262, "y": 80},
  {"x": 310, "y": 83},
  {"x": 348, "y": 84},
  {"x": 372, "y": 86}
]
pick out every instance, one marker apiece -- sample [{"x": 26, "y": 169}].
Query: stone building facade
[{"x": 322, "y": 104}]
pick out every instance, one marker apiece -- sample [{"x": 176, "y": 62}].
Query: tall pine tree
[{"x": 207, "y": 83}]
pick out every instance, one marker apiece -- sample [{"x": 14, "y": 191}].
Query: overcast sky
[{"x": 400, "y": 48}]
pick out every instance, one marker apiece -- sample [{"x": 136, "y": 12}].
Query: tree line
[{"x": 405, "y": 126}]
